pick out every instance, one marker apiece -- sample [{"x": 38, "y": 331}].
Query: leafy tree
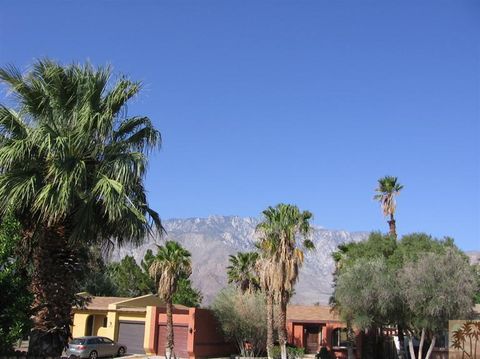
[
  {"x": 171, "y": 263},
  {"x": 242, "y": 271},
  {"x": 365, "y": 291},
  {"x": 15, "y": 297},
  {"x": 96, "y": 279},
  {"x": 238, "y": 314},
  {"x": 129, "y": 279},
  {"x": 476, "y": 268},
  {"x": 388, "y": 188},
  {"x": 186, "y": 294},
  {"x": 415, "y": 283},
  {"x": 279, "y": 230},
  {"x": 72, "y": 165},
  {"x": 436, "y": 287}
]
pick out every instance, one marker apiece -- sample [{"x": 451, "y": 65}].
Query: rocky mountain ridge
[{"x": 211, "y": 240}]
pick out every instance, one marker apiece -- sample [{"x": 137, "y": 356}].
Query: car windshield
[{"x": 78, "y": 341}]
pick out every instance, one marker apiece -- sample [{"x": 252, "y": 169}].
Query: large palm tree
[
  {"x": 72, "y": 165},
  {"x": 279, "y": 230},
  {"x": 242, "y": 271},
  {"x": 388, "y": 188},
  {"x": 171, "y": 263}
]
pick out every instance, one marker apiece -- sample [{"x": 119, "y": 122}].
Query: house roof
[
  {"x": 102, "y": 303},
  {"x": 304, "y": 313},
  {"x": 125, "y": 304}
]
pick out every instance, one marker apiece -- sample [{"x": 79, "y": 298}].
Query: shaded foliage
[
  {"x": 15, "y": 297},
  {"x": 129, "y": 279}
]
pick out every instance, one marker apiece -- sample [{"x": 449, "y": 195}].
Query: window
[
  {"x": 339, "y": 337},
  {"x": 104, "y": 322},
  {"x": 107, "y": 341}
]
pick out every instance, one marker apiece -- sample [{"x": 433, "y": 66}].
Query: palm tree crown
[
  {"x": 171, "y": 262},
  {"x": 279, "y": 230},
  {"x": 242, "y": 271},
  {"x": 69, "y": 154},
  {"x": 388, "y": 188}
]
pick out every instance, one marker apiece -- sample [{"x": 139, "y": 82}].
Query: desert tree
[
  {"x": 238, "y": 314},
  {"x": 437, "y": 287}
]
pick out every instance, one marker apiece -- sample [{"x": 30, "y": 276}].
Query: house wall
[
  {"x": 296, "y": 336},
  {"x": 79, "y": 324},
  {"x": 110, "y": 330},
  {"x": 80, "y": 319},
  {"x": 204, "y": 340},
  {"x": 208, "y": 341}
]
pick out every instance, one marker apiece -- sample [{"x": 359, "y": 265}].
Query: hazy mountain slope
[{"x": 211, "y": 240}]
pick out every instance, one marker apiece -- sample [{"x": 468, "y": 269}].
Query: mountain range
[{"x": 211, "y": 240}]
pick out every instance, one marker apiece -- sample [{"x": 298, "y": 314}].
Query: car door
[
  {"x": 93, "y": 344},
  {"x": 109, "y": 347}
]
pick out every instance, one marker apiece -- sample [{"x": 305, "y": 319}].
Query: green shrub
[{"x": 292, "y": 352}]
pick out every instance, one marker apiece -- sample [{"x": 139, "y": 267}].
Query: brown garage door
[
  {"x": 131, "y": 334},
  {"x": 180, "y": 338}
]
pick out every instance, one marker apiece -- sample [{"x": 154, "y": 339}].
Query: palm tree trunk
[
  {"x": 53, "y": 288},
  {"x": 269, "y": 324},
  {"x": 392, "y": 226},
  {"x": 282, "y": 325},
  {"x": 169, "y": 342},
  {"x": 401, "y": 336}
]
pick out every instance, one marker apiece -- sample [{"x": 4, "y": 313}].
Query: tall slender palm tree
[
  {"x": 242, "y": 271},
  {"x": 72, "y": 165},
  {"x": 265, "y": 267},
  {"x": 388, "y": 188},
  {"x": 171, "y": 263},
  {"x": 279, "y": 230}
]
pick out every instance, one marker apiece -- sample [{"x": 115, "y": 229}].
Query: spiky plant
[
  {"x": 278, "y": 241},
  {"x": 388, "y": 188},
  {"x": 171, "y": 263},
  {"x": 72, "y": 164},
  {"x": 242, "y": 271}
]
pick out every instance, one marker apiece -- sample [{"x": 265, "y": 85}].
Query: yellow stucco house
[{"x": 117, "y": 318}]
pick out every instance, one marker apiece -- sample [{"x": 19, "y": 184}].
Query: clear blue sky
[{"x": 308, "y": 102}]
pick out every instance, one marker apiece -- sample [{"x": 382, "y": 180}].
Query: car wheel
[
  {"x": 93, "y": 355},
  {"x": 121, "y": 351}
]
